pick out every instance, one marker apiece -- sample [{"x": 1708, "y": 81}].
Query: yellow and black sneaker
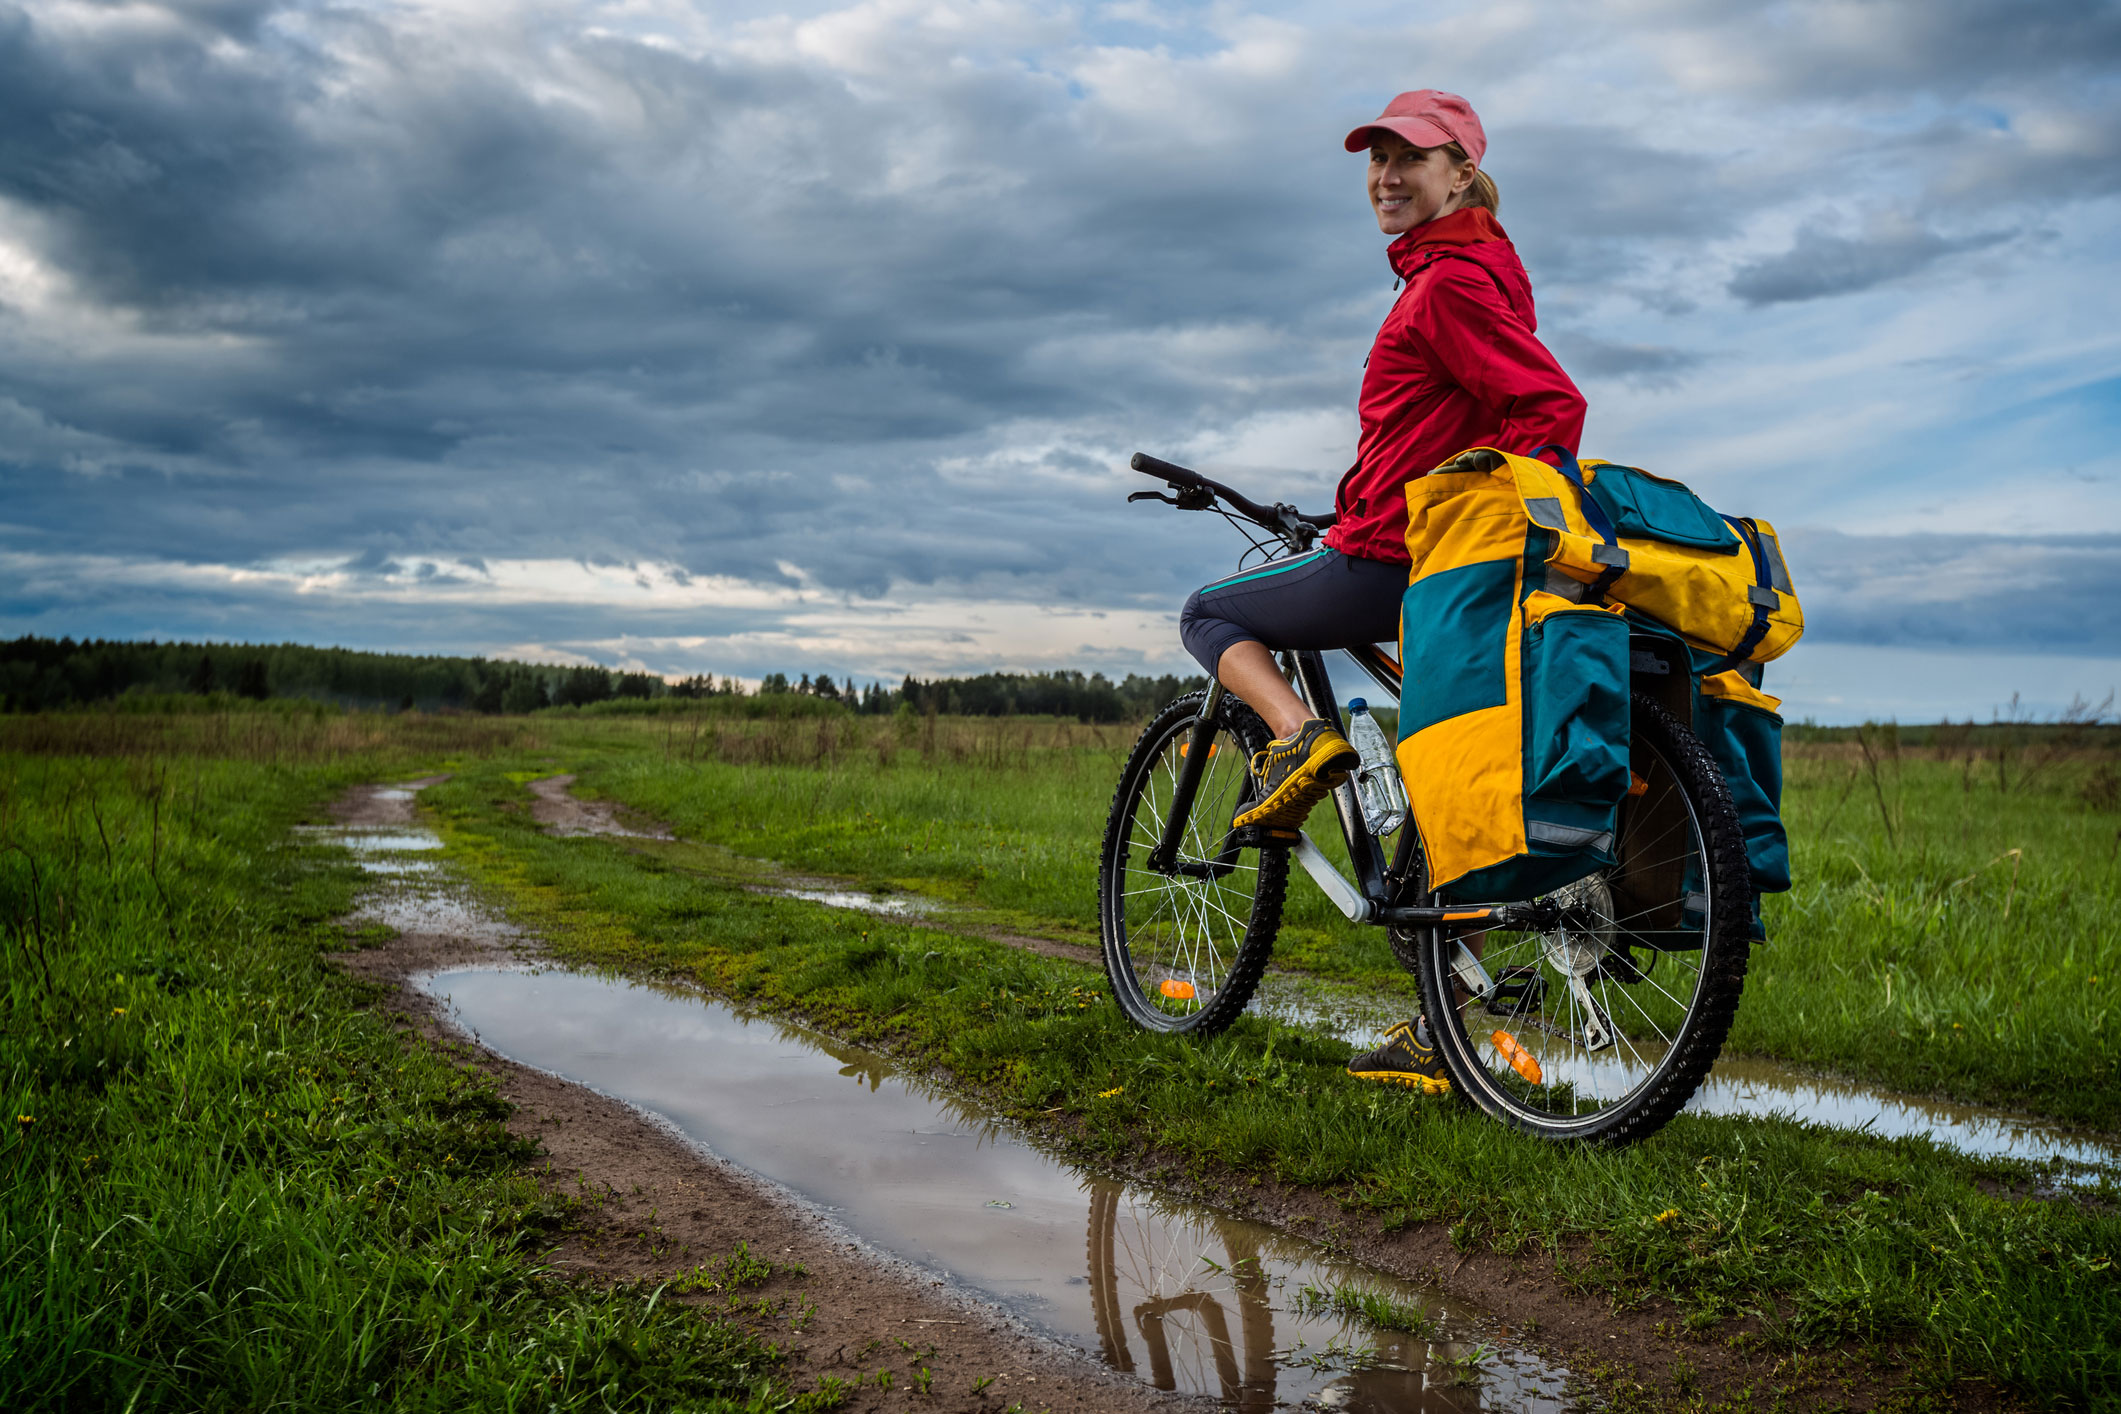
[
  {"x": 1406, "y": 1058},
  {"x": 1297, "y": 772}
]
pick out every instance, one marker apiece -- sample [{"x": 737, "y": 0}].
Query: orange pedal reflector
[
  {"x": 1636, "y": 784},
  {"x": 1521, "y": 1060},
  {"x": 1176, "y": 990},
  {"x": 1185, "y": 748}
]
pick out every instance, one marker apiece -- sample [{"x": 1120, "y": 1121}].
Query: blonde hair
[{"x": 1482, "y": 192}]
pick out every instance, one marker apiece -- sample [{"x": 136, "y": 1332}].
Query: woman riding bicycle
[{"x": 1456, "y": 364}]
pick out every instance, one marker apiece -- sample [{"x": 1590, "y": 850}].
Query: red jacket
[{"x": 1456, "y": 365}]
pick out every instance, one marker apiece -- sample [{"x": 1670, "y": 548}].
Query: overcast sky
[{"x": 748, "y": 337}]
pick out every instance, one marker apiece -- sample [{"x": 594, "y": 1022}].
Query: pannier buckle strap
[
  {"x": 1762, "y": 595},
  {"x": 1609, "y": 554}
]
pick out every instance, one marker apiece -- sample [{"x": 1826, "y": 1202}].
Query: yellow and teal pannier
[
  {"x": 1514, "y": 710},
  {"x": 1720, "y": 586}
]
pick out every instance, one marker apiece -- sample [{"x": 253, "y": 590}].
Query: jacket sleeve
[{"x": 1479, "y": 342}]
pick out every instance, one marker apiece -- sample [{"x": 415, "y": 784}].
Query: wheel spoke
[{"x": 1197, "y": 927}]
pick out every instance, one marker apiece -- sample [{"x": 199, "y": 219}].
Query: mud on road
[{"x": 658, "y": 1208}]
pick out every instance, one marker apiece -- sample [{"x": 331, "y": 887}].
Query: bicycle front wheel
[
  {"x": 1185, "y": 940},
  {"x": 1603, "y": 1028}
]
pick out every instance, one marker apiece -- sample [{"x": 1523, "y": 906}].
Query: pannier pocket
[
  {"x": 1576, "y": 708},
  {"x": 1742, "y": 729},
  {"x": 1651, "y": 508},
  {"x": 1573, "y": 673}
]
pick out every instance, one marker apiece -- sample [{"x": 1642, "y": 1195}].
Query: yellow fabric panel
[
  {"x": 1440, "y": 504},
  {"x": 1462, "y": 518},
  {"x": 1733, "y": 688},
  {"x": 1535, "y": 479},
  {"x": 1704, "y": 596},
  {"x": 1465, "y": 776},
  {"x": 1465, "y": 784}
]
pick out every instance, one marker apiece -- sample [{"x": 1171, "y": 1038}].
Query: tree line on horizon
[{"x": 43, "y": 674}]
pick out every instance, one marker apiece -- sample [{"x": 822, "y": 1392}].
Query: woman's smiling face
[{"x": 1411, "y": 185}]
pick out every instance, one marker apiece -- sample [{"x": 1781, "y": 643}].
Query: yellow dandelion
[
  {"x": 25, "y": 1119},
  {"x": 1667, "y": 1215},
  {"x": 1108, "y": 1094},
  {"x": 117, "y": 1011}
]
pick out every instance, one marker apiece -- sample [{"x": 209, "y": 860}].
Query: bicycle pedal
[
  {"x": 1262, "y": 837},
  {"x": 1518, "y": 990}
]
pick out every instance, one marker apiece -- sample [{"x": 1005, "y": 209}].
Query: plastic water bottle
[{"x": 1377, "y": 783}]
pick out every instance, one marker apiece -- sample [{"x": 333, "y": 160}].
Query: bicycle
[{"x": 1592, "y": 1013}]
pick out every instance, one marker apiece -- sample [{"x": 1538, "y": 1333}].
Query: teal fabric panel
[
  {"x": 1526, "y": 876},
  {"x": 1655, "y": 509},
  {"x": 1576, "y": 713},
  {"x": 1576, "y": 737},
  {"x": 1454, "y": 628},
  {"x": 1747, "y": 743}
]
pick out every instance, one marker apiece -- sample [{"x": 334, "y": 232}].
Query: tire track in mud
[
  {"x": 659, "y": 1207},
  {"x": 561, "y": 813}
]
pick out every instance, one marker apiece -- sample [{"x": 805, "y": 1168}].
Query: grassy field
[
  {"x": 1955, "y": 928},
  {"x": 245, "y": 1114},
  {"x": 225, "y": 1181},
  {"x": 1898, "y": 1247}
]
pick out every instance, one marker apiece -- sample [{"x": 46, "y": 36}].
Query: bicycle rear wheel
[
  {"x": 1603, "y": 1028},
  {"x": 1185, "y": 945}
]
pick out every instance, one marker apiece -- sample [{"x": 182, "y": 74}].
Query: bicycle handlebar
[{"x": 1277, "y": 517}]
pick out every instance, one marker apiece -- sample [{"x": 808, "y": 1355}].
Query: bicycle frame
[{"x": 1371, "y": 897}]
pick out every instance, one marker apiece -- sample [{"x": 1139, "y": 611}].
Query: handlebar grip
[{"x": 1157, "y": 466}]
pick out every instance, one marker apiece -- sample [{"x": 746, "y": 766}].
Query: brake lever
[{"x": 1189, "y": 498}]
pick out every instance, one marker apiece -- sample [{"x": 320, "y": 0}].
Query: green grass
[
  {"x": 226, "y": 1182},
  {"x": 1947, "y": 933},
  {"x": 1825, "y": 1236},
  {"x": 1375, "y": 1307},
  {"x": 231, "y": 1195}
]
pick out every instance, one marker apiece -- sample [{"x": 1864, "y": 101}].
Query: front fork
[{"x": 1164, "y": 858}]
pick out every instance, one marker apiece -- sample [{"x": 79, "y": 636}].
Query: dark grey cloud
[
  {"x": 1820, "y": 263},
  {"x": 2026, "y": 594},
  {"x": 468, "y": 317},
  {"x": 1851, "y": 50},
  {"x": 1587, "y": 202}
]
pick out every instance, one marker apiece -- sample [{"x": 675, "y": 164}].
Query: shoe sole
[
  {"x": 1319, "y": 777},
  {"x": 1423, "y": 1083}
]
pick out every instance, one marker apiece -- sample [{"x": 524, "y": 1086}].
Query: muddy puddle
[
  {"x": 1744, "y": 1086},
  {"x": 381, "y": 850},
  {"x": 1739, "y": 1085},
  {"x": 1180, "y": 1297},
  {"x": 894, "y": 906}
]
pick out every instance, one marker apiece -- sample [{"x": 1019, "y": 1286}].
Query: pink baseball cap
[{"x": 1428, "y": 117}]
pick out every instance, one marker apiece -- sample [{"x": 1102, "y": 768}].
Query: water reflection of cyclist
[{"x": 1456, "y": 365}]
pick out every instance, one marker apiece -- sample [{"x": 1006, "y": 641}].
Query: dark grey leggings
[{"x": 1320, "y": 600}]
